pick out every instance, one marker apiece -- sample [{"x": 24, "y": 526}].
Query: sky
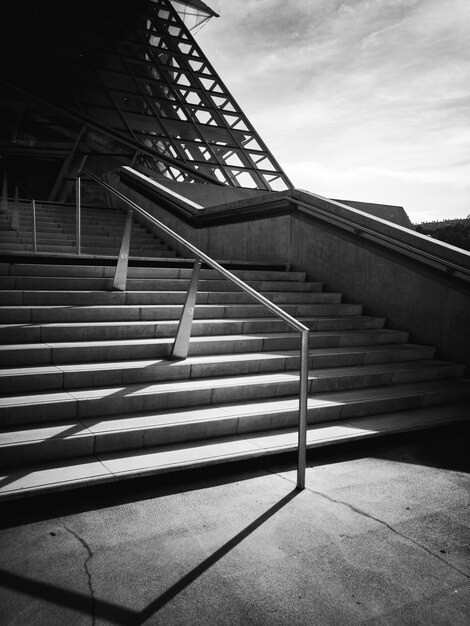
[{"x": 357, "y": 99}]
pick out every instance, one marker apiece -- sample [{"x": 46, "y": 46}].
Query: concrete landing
[{"x": 380, "y": 536}]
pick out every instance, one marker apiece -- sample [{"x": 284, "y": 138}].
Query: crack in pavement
[
  {"x": 379, "y": 521},
  {"x": 87, "y": 571}
]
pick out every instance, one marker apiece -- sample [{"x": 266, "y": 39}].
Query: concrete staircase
[
  {"x": 101, "y": 231},
  {"x": 88, "y": 394}
]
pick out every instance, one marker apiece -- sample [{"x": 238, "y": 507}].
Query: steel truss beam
[{"x": 132, "y": 70}]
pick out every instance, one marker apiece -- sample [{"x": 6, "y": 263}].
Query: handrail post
[
  {"x": 35, "y": 242},
  {"x": 120, "y": 275},
  {"x": 4, "y": 204},
  {"x": 78, "y": 202},
  {"x": 15, "y": 215},
  {"x": 303, "y": 399},
  {"x": 181, "y": 345}
]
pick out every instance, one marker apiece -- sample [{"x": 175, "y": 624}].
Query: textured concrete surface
[{"x": 381, "y": 536}]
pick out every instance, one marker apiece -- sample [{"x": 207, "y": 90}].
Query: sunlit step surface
[
  {"x": 104, "y": 401},
  {"x": 17, "y": 355},
  {"x": 78, "y": 375},
  {"x": 101, "y": 468},
  {"x": 103, "y": 271},
  {"x": 79, "y": 437}
]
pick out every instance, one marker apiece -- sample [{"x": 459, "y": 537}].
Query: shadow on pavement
[{"x": 117, "y": 614}]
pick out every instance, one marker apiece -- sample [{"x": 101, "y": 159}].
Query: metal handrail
[
  {"x": 291, "y": 321},
  {"x": 15, "y": 217}
]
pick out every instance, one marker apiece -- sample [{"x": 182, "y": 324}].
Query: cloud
[
  {"x": 351, "y": 84},
  {"x": 424, "y": 194}
]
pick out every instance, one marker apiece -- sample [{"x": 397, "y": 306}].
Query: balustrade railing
[{"x": 182, "y": 339}]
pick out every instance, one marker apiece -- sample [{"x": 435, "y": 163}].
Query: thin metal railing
[
  {"x": 78, "y": 218},
  {"x": 188, "y": 311},
  {"x": 15, "y": 214},
  {"x": 35, "y": 238}
]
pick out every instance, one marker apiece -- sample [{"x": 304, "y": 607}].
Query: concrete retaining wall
[{"x": 432, "y": 305}]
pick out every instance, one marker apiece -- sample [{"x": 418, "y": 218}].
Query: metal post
[
  {"x": 35, "y": 243},
  {"x": 4, "y": 205},
  {"x": 78, "y": 234},
  {"x": 15, "y": 215},
  {"x": 183, "y": 334},
  {"x": 303, "y": 398},
  {"x": 120, "y": 275}
]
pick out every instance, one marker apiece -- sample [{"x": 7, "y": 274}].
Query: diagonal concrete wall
[{"x": 407, "y": 277}]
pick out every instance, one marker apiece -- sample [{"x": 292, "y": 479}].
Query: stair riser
[
  {"x": 84, "y": 442},
  {"x": 16, "y": 246},
  {"x": 170, "y": 300},
  {"x": 57, "y": 378},
  {"x": 80, "y": 405},
  {"x": 68, "y": 221},
  {"x": 144, "y": 272},
  {"x": 100, "y": 298},
  {"x": 87, "y": 239},
  {"x": 143, "y": 330},
  {"x": 91, "y": 284},
  {"x": 93, "y": 228},
  {"x": 87, "y": 229},
  {"x": 102, "y": 251},
  {"x": 134, "y": 299},
  {"x": 44, "y": 355},
  {"x": 9, "y": 236},
  {"x": 63, "y": 242}
]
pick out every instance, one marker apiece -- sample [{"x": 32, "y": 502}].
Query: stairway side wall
[{"x": 433, "y": 307}]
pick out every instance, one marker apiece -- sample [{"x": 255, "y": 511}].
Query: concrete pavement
[{"x": 380, "y": 536}]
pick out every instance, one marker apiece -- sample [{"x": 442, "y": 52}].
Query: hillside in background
[{"x": 454, "y": 232}]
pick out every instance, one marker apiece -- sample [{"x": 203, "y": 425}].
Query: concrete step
[
  {"x": 69, "y": 222},
  {"x": 52, "y": 283},
  {"x": 163, "y": 321},
  {"x": 103, "y": 271},
  {"x": 17, "y": 355},
  {"x": 14, "y": 245},
  {"x": 135, "y": 253},
  {"x": 123, "y": 399},
  {"x": 56, "y": 228},
  {"x": 99, "y": 252},
  {"x": 91, "y": 238},
  {"x": 91, "y": 468},
  {"x": 94, "y": 300},
  {"x": 9, "y": 236},
  {"x": 106, "y": 244},
  {"x": 69, "y": 214},
  {"x": 76, "y": 375},
  {"x": 208, "y": 303}
]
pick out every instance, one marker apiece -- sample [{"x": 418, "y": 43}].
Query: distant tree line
[{"x": 457, "y": 234}]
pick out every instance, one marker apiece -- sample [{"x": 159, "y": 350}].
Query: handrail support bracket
[
  {"x": 120, "y": 275},
  {"x": 181, "y": 345}
]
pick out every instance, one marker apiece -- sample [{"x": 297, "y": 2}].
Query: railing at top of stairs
[
  {"x": 15, "y": 213},
  {"x": 181, "y": 343}
]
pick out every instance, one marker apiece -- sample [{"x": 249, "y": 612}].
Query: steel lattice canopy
[{"x": 124, "y": 82}]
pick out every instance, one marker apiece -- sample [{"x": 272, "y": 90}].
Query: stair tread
[
  {"x": 195, "y": 339},
  {"x": 157, "y": 419},
  {"x": 175, "y": 322},
  {"x": 56, "y": 476},
  {"x": 213, "y": 358},
  {"x": 213, "y": 383},
  {"x": 24, "y": 269}
]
